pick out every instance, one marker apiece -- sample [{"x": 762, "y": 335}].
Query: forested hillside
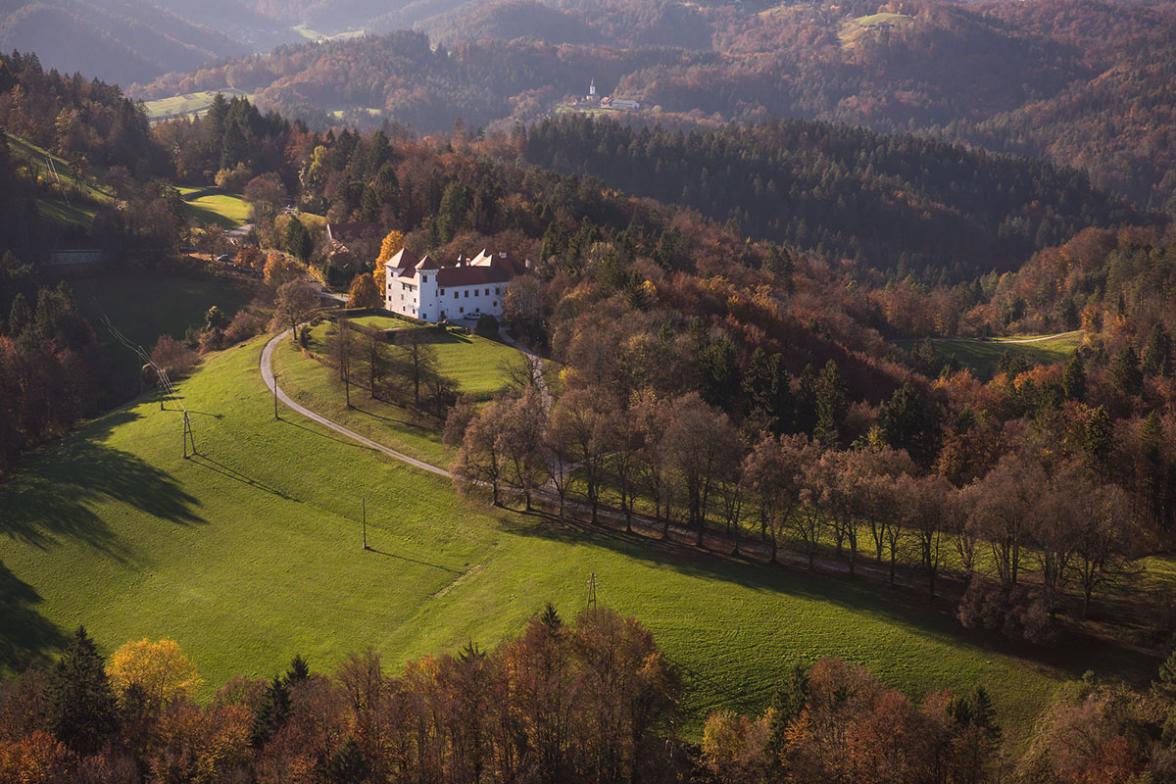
[
  {"x": 1082, "y": 83},
  {"x": 896, "y": 202}
]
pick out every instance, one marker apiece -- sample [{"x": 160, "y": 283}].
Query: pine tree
[
  {"x": 831, "y": 405},
  {"x": 297, "y": 240},
  {"x": 1157, "y": 358},
  {"x": 1125, "y": 372},
  {"x": 550, "y": 617},
  {"x": 911, "y": 422},
  {"x": 275, "y": 704},
  {"x": 805, "y": 418},
  {"x": 1098, "y": 435},
  {"x": 768, "y": 389},
  {"x": 787, "y": 704},
  {"x": 272, "y": 714},
  {"x": 82, "y": 706},
  {"x": 299, "y": 671},
  {"x": 1074, "y": 378}
]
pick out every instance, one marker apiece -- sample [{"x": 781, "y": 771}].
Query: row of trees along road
[{"x": 1024, "y": 535}]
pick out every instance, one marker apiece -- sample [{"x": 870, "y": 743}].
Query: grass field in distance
[
  {"x": 983, "y": 355},
  {"x": 186, "y": 104}
]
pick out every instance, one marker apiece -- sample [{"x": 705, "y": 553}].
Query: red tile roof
[{"x": 485, "y": 268}]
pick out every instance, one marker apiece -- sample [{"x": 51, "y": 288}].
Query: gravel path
[{"x": 267, "y": 375}]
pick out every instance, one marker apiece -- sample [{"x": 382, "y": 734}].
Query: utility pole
[
  {"x": 189, "y": 436},
  {"x": 276, "y": 417},
  {"x": 364, "y": 502}
]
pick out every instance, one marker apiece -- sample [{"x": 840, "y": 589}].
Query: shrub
[
  {"x": 243, "y": 326},
  {"x": 487, "y": 326},
  {"x": 233, "y": 180},
  {"x": 173, "y": 356},
  {"x": 1018, "y": 613}
]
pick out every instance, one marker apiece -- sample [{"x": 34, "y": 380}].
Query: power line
[{"x": 167, "y": 389}]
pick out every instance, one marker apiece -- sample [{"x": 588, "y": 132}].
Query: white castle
[{"x": 429, "y": 291}]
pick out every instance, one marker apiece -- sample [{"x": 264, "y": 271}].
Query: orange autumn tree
[
  {"x": 392, "y": 243},
  {"x": 363, "y": 293},
  {"x": 161, "y": 669}
]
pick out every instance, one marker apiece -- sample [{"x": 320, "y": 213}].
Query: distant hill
[
  {"x": 1078, "y": 82},
  {"x": 893, "y": 202},
  {"x": 128, "y": 41},
  {"x": 402, "y": 77}
]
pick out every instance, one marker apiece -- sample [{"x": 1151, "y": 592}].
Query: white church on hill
[{"x": 426, "y": 290}]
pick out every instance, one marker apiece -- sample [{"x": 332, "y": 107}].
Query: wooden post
[{"x": 276, "y": 417}]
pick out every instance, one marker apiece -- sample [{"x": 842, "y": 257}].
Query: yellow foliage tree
[
  {"x": 161, "y": 669},
  {"x": 363, "y": 293},
  {"x": 280, "y": 268},
  {"x": 392, "y": 243}
]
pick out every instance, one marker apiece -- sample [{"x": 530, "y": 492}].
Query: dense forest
[{"x": 897, "y": 202}]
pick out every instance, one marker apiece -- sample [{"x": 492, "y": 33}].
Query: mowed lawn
[
  {"x": 251, "y": 552},
  {"x": 209, "y": 206},
  {"x": 377, "y": 321},
  {"x": 478, "y": 365},
  {"x": 983, "y": 355}
]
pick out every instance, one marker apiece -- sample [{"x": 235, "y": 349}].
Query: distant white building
[
  {"x": 425, "y": 290},
  {"x": 621, "y": 104}
]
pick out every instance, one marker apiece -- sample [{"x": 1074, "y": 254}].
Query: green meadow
[
  {"x": 983, "y": 355},
  {"x": 76, "y": 206},
  {"x": 210, "y": 205},
  {"x": 186, "y": 104},
  {"x": 250, "y": 552}
]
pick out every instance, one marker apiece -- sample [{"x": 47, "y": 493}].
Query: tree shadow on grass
[
  {"x": 51, "y": 501},
  {"x": 29, "y": 638},
  {"x": 932, "y": 618}
]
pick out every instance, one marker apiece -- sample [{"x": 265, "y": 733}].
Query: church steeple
[{"x": 592, "y": 89}]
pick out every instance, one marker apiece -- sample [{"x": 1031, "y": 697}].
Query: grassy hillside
[
  {"x": 78, "y": 194},
  {"x": 146, "y": 304},
  {"x": 251, "y": 552},
  {"x": 212, "y": 206},
  {"x": 185, "y": 105},
  {"x": 983, "y": 355}
]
